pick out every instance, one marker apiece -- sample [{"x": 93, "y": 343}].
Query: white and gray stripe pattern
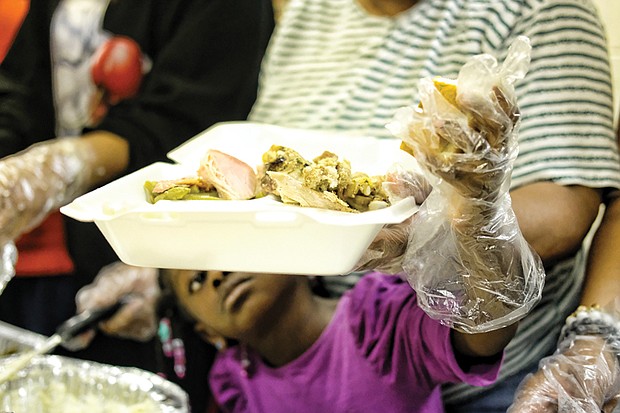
[{"x": 331, "y": 66}]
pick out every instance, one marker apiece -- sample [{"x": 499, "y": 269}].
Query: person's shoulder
[
  {"x": 380, "y": 280},
  {"x": 534, "y": 5},
  {"x": 225, "y": 376},
  {"x": 228, "y": 367},
  {"x": 526, "y": 7},
  {"x": 376, "y": 288}
]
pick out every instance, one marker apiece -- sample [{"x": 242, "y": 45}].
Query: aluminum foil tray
[
  {"x": 17, "y": 340},
  {"x": 55, "y": 384}
]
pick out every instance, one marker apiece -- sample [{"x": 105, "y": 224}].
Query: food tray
[
  {"x": 258, "y": 235},
  {"x": 52, "y": 384},
  {"x": 17, "y": 340}
]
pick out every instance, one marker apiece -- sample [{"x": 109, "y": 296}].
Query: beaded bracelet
[{"x": 591, "y": 321}]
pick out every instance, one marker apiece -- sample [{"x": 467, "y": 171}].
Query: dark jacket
[{"x": 205, "y": 57}]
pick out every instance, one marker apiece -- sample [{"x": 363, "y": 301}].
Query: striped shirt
[{"x": 332, "y": 66}]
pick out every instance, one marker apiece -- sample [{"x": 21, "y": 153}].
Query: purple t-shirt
[{"x": 380, "y": 352}]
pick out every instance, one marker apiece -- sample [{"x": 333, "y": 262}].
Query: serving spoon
[{"x": 66, "y": 331}]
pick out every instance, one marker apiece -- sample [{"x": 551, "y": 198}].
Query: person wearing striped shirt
[
  {"x": 348, "y": 65},
  {"x": 583, "y": 374}
]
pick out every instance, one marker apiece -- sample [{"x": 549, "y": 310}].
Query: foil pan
[
  {"x": 56, "y": 384},
  {"x": 17, "y": 340}
]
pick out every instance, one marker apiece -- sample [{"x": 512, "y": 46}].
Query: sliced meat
[
  {"x": 293, "y": 191},
  {"x": 231, "y": 177}
]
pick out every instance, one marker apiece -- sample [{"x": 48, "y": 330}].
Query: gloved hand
[
  {"x": 137, "y": 319},
  {"x": 582, "y": 376},
  {"x": 37, "y": 181},
  {"x": 387, "y": 250},
  {"x": 466, "y": 258}
]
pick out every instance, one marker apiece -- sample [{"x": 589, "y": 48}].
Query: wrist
[{"x": 591, "y": 321}]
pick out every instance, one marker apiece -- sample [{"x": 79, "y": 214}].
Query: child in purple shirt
[{"x": 285, "y": 349}]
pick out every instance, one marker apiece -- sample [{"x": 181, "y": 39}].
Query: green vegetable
[{"x": 180, "y": 192}]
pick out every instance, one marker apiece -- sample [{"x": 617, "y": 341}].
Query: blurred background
[{"x": 610, "y": 13}]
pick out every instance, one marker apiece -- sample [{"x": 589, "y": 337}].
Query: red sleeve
[{"x": 12, "y": 14}]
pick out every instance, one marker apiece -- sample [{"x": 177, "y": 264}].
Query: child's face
[{"x": 235, "y": 304}]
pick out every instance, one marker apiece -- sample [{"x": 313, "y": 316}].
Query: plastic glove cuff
[{"x": 592, "y": 321}]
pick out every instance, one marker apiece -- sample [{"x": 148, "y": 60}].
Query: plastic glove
[
  {"x": 467, "y": 259},
  {"x": 137, "y": 319},
  {"x": 583, "y": 376},
  {"x": 39, "y": 180},
  {"x": 7, "y": 264},
  {"x": 387, "y": 250}
]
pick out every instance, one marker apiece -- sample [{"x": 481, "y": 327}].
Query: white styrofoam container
[{"x": 259, "y": 235}]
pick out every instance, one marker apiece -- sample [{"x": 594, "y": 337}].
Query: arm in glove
[
  {"x": 49, "y": 174},
  {"x": 583, "y": 376},
  {"x": 33, "y": 183},
  {"x": 467, "y": 259},
  {"x": 38, "y": 180},
  {"x": 137, "y": 319}
]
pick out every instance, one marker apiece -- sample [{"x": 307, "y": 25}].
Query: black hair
[{"x": 168, "y": 304}]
